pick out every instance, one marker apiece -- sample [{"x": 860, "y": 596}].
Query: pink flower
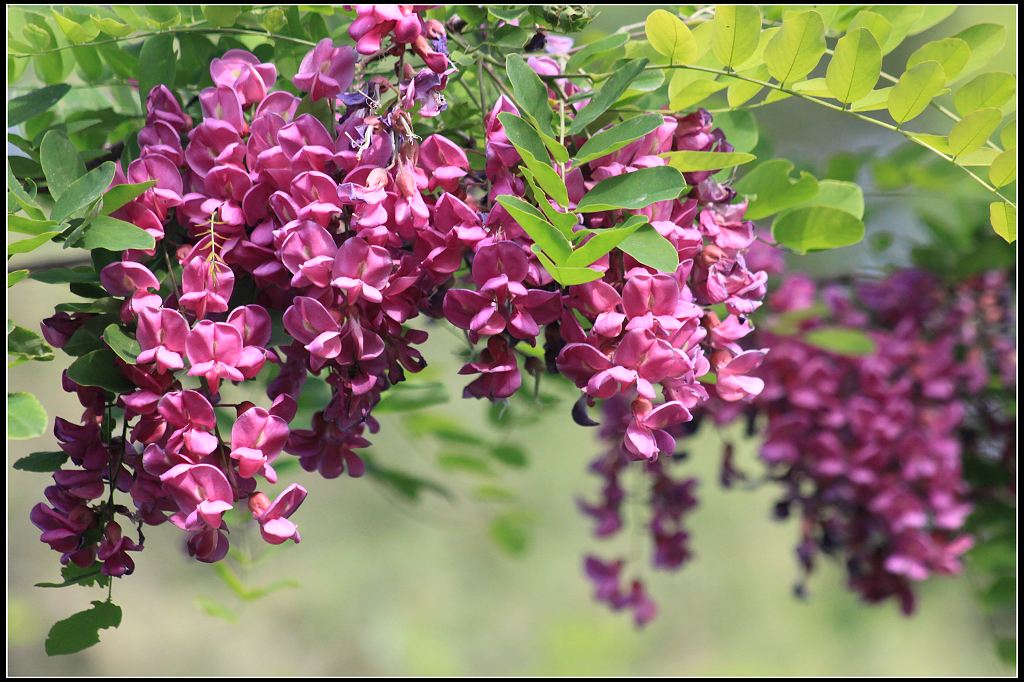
[
  {"x": 374, "y": 22},
  {"x": 257, "y": 438},
  {"x": 361, "y": 271},
  {"x": 273, "y": 516},
  {"x": 207, "y": 286},
  {"x": 161, "y": 335},
  {"x": 242, "y": 72},
  {"x": 202, "y": 494},
  {"x": 734, "y": 381},
  {"x": 309, "y": 252},
  {"x": 646, "y": 436},
  {"x": 113, "y": 552},
  {"x": 444, "y": 161},
  {"x": 499, "y": 373},
  {"x": 311, "y": 325},
  {"x": 216, "y": 352},
  {"x": 223, "y": 104},
  {"x": 326, "y": 70}
]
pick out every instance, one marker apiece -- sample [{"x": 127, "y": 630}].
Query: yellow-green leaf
[
  {"x": 855, "y": 66},
  {"x": 669, "y": 36},
  {"x": 986, "y": 90},
  {"x": 915, "y": 91},
  {"x": 796, "y": 49},
  {"x": 737, "y": 29},
  {"x": 951, "y": 53},
  {"x": 973, "y": 130},
  {"x": 1004, "y": 220},
  {"x": 1004, "y": 169}
]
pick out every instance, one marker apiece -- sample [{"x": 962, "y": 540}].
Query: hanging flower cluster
[
  {"x": 326, "y": 226},
  {"x": 868, "y": 449},
  {"x": 635, "y": 329}
]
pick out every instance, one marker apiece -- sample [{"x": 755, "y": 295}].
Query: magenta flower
[
  {"x": 208, "y": 545},
  {"x": 734, "y": 381},
  {"x": 257, "y": 438},
  {"x": 242, "y": 72},
  {"x": 223, "y": 104},
  {"x": 206, "y": 286},
  {"x": 444, "y": 162},
  {"x": 216, "y": 352},
  {"x": 309, "y": 253},
  {"x": 162, "y": 105},
  {"x": 326, "y": 70},
  {"x": 499, "y": 373},
  {"x": 374, "y": 22},
  {"x": 193, "y": 419},
  {"x": 361, "y": 271},
  {"x": 113, "y": 552},
  {"x": 273, "y": 516},
  {"x": 214, "y": 143},
  {"x": 161, "y": 335},
  {"x": 501, "y": 300},
  {"x": 202, "y": 494},
  {"x": 647, "y": 437},
  {"x": 311, "y": 325}
]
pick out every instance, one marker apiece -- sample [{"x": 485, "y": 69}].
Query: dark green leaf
[
  {"x": 41, "y": 462},
  {"x": 30, "y": 105},
  {"x": 615, "y": 138},
  {"x": 82, "y": 630},
  {"x": 622, "y": 76},
  {"x": 634, "y": 190},
  {"x": 83, "y": 191},
  {"x": 530, "y": 92},
  {"x": 156, "y": 64},
  {"x": 104, "y": 232},
  {"x": 60, "y": 161},
  {"x": 99, "y": 368}
]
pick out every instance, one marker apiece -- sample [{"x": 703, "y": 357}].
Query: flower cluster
[
  {"x": 635, "y": 330},
  {"x": 339, "y": 228},
  {"x": 869, "y": 449}
]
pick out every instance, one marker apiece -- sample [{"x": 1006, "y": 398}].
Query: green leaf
[
  {"x": 770, "y": 188},
  {"x": 669, "y": 36},
  {"x": 839, "y": 194},
  {"x": 603, "y": 241},
  {"x": 1008, "y": 135},
  {"x": 817, "y": 228},
  {"x": 509, "y": 455},
  {"x": 690, "y": 162},
  {"x": 544, "y": 234},
  {"x": 41, "y": 462},
  {"x": 624, "y": 73},
  {"x": 26, "y": 201},
  {"x": 523, "y": 136},
  {"x": 984, "y": 91},
  {"x": 30, "y": 244},
  {"x": 83, "y": 191},
  {"x": 689, "y": 88},
  {"x": 609, "y": 45},
  {"x": 221, "y": 15},
  {"x": 634, "y": 190},
  {"x": 874, "y": 22},
  {"x": 99, "y": 368},
  {"x": 511, "y": 531},
  {"x": 530, "y": 92},
  {"x": 406, "y": 397},
  {"x": 82, "y": 274},
  {"x": 26, "y": 417},
  {"x": 26, "y": 345},
  {"x": 917, "y": 87},
  {"x": 60, "y": 161},
  {"x": 972, "y": 131},
  {"x": 30, "y": 105},
  {"x": 951, "y": 53},
  {"x": 23, "y": 225},
  {"x": 82, "y": 576},
  {"x": 615, "y": 138},
  {"x": 566, "y": 275},
  {"x": 119, "y": 195},
  {"x": 796, "y": 49},
  {"x": 104, "y": 232},
  {"x": 212, "y": 607},
  {"x": 82, "y": 630},
  {"x": 985, "y": 41},
  {"x": 736, "y": 31},
  {"x": 565, "y": 222},
  {"x": 15, "y": 276},
  {"x": 125, "y": 346},
  {"x": 855, "y": 66},
  {"x": 1004, "y": 169},
  {"x": 1003, "y": 217},
  {"x": 406, "y": 485},
  {"x": 157, "y": 64},
  {"x": 650, "y": 248},
  {"x": 842, "y": 341},
  {"x": 461, "y": 462}
]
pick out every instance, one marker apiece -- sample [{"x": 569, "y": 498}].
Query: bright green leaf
[
  {"x": 735, "y": 34},
  {"x": 817, "y": 228},
  {"x": 988, "y": 90},
  {"x": 669, "y": 36},
  {"x": 951, "y": 53},
  {"x": 83, "y": 191},
  {"x": 26, "y": 417},
  {"x": 623, "y": 74},
  {"x": 1004, "y": 168},
  {"x": 915, "y": 91},
  {"x": 855, "y": 66},
  {"x": 104, "y": 232},
  {"x": 603, "y": 241},
  {"x": 30, "y": 105},
  {"x": 842, "y": 341},
  {"x": 543, "y": 233},
  {"x": 770, "y": 188},
  {"x": 796, "y": 49},
  {"x": 972, "y": 131},
  {"x": 652, "y": 249},
  {"x": 530, "y": 92},
  {"x": 691, "y": 162},
  {"x": 1003, "y": 217}
]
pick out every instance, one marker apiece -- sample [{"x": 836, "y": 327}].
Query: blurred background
[{"x": 486, "y": 578}]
